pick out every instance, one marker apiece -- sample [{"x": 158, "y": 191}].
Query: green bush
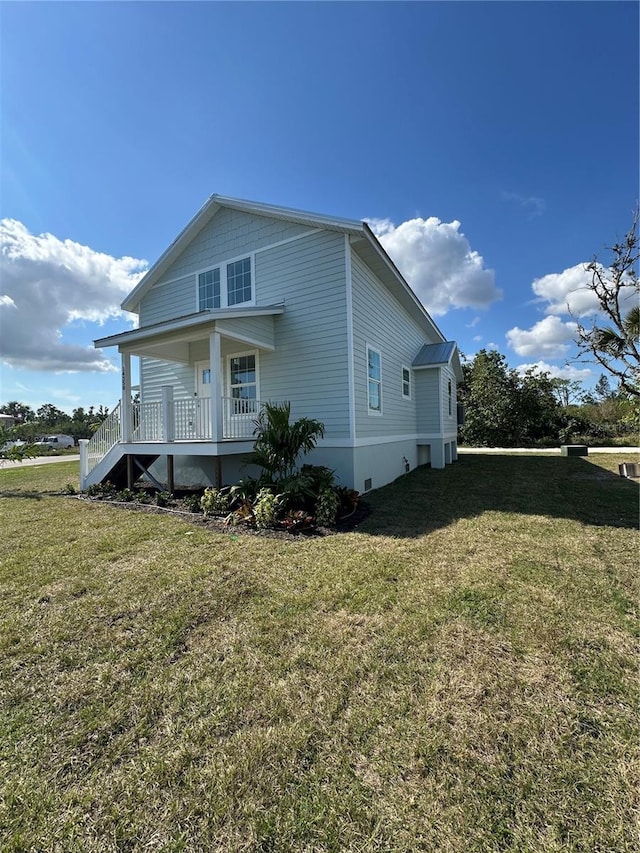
[
  {"x": 327, "y": 507},
  {"x": 266, "y": 509},
  {"x": 214, "y": 502}
]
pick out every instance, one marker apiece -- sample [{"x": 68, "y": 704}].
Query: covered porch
[{"x": 199, "y": 385}]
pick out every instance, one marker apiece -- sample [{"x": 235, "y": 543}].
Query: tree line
[
  {"x": 504, "y": 408},
  {"x": 32, "y": 425}
]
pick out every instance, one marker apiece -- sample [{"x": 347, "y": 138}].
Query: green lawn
[{"x": 459, "y": 674}]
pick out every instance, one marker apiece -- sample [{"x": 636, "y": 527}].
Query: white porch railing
[
  {"x": 238, "y": 417},
  {"x": 190, "y": 420},
  {"x": 147, "y": 422},
  {"x": 108, "y": 434}
]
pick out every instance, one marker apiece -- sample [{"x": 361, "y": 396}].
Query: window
[
  {"x": 374, "y": 381},
  {"x": 209, "y": 289},
  {"x": 226, "y": 285},
  {"x": 243, "y": 383},
  {"x": 406, "y": 383},
  {"x": 239, "y": 282},
  {"x": 449, "y": 389}
]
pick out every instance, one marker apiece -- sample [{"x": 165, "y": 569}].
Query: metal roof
[{"x": 434, "y": 354}]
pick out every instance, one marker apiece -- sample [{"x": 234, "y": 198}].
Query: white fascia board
[
  {"x": 188, "y": 322},
  {"x": 316, "y": 220}
]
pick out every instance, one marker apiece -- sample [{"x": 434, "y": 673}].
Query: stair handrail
[{"x": 108, "y": 434}]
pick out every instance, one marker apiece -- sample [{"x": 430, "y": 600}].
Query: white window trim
[
  {"x": 227, "y": 391},
  {"x": 375, "y": 413},
  {"x": 402, "y": 370},
  {"x": 224, "y": 285}
]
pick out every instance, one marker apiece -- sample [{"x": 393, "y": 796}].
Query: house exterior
[{"x": 256, "y": 303}]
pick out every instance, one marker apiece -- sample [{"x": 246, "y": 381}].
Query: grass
[{"x": 459, "y": 674}]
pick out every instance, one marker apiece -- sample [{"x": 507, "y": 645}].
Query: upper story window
[
  {"x": 406, "y": 383},
  {"x": 450, "y": 396},
  {"x": 226, "y": 285},
  {"x": 374, "y": 381}
]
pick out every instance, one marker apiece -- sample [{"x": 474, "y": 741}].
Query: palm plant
[{"x": 279, "y": 443}]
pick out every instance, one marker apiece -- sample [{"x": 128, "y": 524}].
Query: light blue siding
[
  {"x": 380, "y": 321},
  {"x": 155, "y": 373},
  {"x": 254, "y": 328},
  {"x": 449, "y": 421},
  {"x": 168, "y": 301},
  {"x": 428, "y": 396},
  {"x": 230, "y": 234},
  {"x": 309, "y": 364}
]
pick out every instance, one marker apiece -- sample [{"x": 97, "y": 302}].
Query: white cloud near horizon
[
  {"x": 582, "y": 374},
  {"x": 47, "y": 284},
  {"x": 438, "y": 262},
  {"x": 548, "y": 337}
]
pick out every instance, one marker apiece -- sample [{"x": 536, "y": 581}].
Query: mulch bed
[{"x": 177, "y": 507}]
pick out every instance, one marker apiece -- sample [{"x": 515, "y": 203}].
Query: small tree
[
  {"x": 615, "y": 346},
  {"x": 279, "y": 443}
]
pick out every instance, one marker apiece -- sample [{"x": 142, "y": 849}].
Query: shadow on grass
[
  {"x": 35, "y": 496},
  {"x": 561, "y": 487}
]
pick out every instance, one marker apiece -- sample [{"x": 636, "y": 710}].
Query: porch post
[
  {"x": 126, "y": 397},
  {"x": 83, "y": 443},
  {"x": 216, "y": 386},
  {"x": 168, "y": 420}
]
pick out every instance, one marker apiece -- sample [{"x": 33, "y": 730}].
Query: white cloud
[
  {"x": 564, "y": 372},
  {"x": 532, "y": 204},
  {"x": 48, "y": 283},
  {"x": 477, "y": 338},
  {"x": 549, "y": 337},
  {"x": 566, "y": 292},
  {"x": 439, "y": 264},
  {"x": 473, "y": 323}
]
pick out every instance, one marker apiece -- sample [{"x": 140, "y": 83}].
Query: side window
[
  {"x": 406, "y": 383},
  {"x": 449, "y": 395},
  {"x": 374, "y": 381}
]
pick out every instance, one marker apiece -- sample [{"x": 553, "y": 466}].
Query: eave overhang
[{"x": 184, "y": 326}]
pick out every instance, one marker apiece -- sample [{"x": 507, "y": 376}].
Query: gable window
[
  {"x": 239, "y": 282},
  {"x": 226, "y": 285},
  {"x": 374, "y": 381},
  {"x": 209, "y": 289},
  {"x": 406, "y": 383}
]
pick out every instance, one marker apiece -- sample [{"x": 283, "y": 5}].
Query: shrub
[
  {"x": 193, "y": 503},
  {"x": 348, "y": 500},
  {"x": 266, "y": 509},
  {"x": 163, "y": 498},
  {"x": 125, "y": 495},
  {"x": 214, "y": 502},
  {"x": 327, "y": 507},
  {"x": 102, "y": 490},
  {"x": 69, "y": 489}
]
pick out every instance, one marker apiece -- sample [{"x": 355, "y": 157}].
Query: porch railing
[{"x": 190, "y": 420}]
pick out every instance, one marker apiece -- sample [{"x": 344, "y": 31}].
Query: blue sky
[{"x": 495, "y": 146}]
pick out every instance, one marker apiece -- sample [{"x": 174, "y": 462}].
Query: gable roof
[
  {"x": 365, "y": 243},
  {"x": 438, "y": 355}
]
